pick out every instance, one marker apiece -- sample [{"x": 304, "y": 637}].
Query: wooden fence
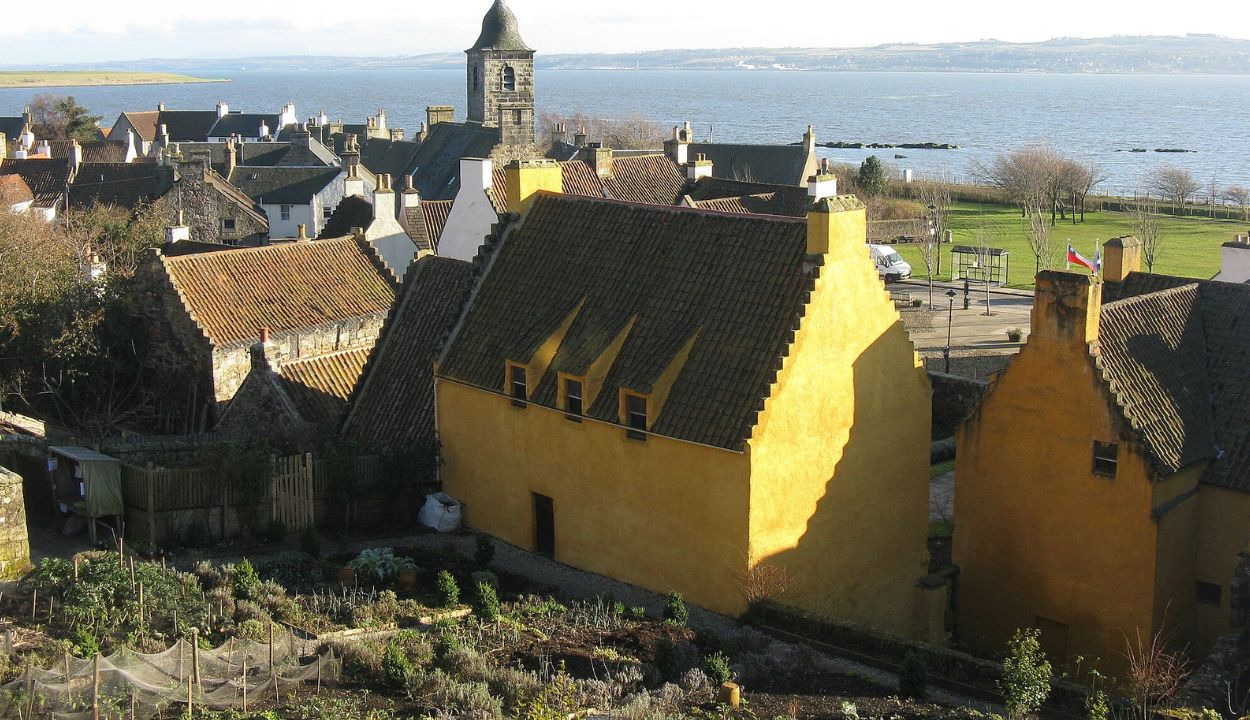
[{"x": 301, "y": 493}]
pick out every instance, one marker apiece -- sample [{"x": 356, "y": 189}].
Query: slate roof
[
  {"x": 353, "y": 212},
  {"x": 233, "y": 293},
  {"x": 500, "y": 31},
  {"x": 242, "y": 124},
  {"x": 392, "y": 408},
  {"x": 774, "y": 164},
  {"x": 282, "y": 185},
  {"x": 264, "y": 154},
  {"x": 389, "y": 157},
  {"x": 237, "y": 197},
  {"x": 436, "y": 166},
  {"x": 734, "y": 285},
  {"x": 1173, "y": 351},
  {"x": 716, "y": 193},
  {"x": 319, "y": 386},
  {"x": 13, "y": 190},
  {"x": 121, "y": 184},
  {"x": 12, "y": 127},
  {"x": 46, "y": 178},
  {"x": 183, "y": 125}
]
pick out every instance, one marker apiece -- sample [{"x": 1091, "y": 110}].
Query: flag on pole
[{"x": 1075, "y": 258}]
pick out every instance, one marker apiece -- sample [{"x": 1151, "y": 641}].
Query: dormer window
[
  {"x": 634, "y": 412},
  {"x": 518, "y": 387},
  {"x": 572, "y": 391},
  {"x": 509, "y": 79}
]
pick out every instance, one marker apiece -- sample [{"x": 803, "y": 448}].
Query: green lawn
[
  {"x": 22, "y": 78},
  {"x": 1191, "y": 246}
]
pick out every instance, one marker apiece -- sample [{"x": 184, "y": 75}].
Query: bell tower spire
[{"x": 501, "y": 78}]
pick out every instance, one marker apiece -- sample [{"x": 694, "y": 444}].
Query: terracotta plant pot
[{"x": 347, "y": 576}]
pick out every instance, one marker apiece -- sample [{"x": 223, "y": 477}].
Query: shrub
[
  {"x": 487, "y": 605},
  {"x": 244, "y": 580},
  {"x": 448, "y": 590},
  {"x": 484, "y": 550},
  {"x": 1097, "y": 707},
  {"x": 1025, "y": 683},
  {"x": 396, "y": 667},
  {"x": 487, "y": 577},
  {"x": 913, "y": 677},
  {"x": 675, "y": 611},
  {"x": 666, "y": 659},
  {"x": 209, "y": 575},
  {"x": 638, "y": 613},
  {"x": 694, "y": 680},
  {"x": 871, "y": 178},
  {"x": 254, "y": 629},
  {"x": 85, "y": 643},
  {"x": 310, "y": 542},
  {"x": 245, "y": 610},
  {"x": 717, "y": 666},
  {"x": 447, "y": 644}
]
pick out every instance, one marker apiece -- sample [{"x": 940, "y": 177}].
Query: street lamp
[{"x": 950, "y": 317}]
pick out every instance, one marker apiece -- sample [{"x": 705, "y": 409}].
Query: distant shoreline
[{"x": 69, "y": 79}]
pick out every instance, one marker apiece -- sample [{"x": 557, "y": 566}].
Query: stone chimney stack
[
  {"x": 303, "y": 233},
  {"x": 380, "y": 123},
  {"x": 678, "y": 147},
  {"x": 1066, "y": 308},
  {"x": 1120, "y": 256},
  {"x": 4, "y": 146},
  {"x": 262, "y": 351},
  {"x": 132, "y": 153},
  {"x": 560, "y": 134},
  {"x": 351, "y": 151},
  {"x": 838, "y": 227},
  {"x": 26, "y": 139},
  {"x": 422, "y": 133},
  {"x": 529, "y": 177},
  {"x": 384, "y": 200},
  {"x": 75, "y": 156},
  {"x": 162, "y": 136},
  {"x": 821, "y": 186},
  {"x": 353, "y": 184},
  {"x": 599, "y": 158},
  {"x": 397, "y": 134},
  {"x": 222, "y": 110},
  {"x": 160, "y": 107},
  {"x": 263, "y": 130},
  {"x": 177, "y": 232},
  {"x": 809, "y": 139},
  {"x": 409, "y": 199},
  {"x": 232, "y": 156},
  {"x": 699, "y": 169},
  {"x": 579, "y": 138},
  {"x": 477, "y": 174},
  {"x": 436, "y": 114},
  {"x": 44, "y": 149}
]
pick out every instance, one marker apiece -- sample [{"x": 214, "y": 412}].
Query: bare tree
[
  {"x": 632, "y": 132},
  {"x": 1240, "y": 195},
  {"x": 936, "y": 197},
  {"x": 1039, "y": 238},
  {"x": 1146, "y": 225},
  {"x": 1155, "y": 675},
  {"x": 1085, "y": 177},
  {"x": 1174, "y": 184},
  {"x": 983, "y": 241},
  {"x": 1024, "y": 175}
]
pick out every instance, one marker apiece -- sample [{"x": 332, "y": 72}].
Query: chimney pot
[
  {"x": 264, "y": 334},
  {"x": 303, "y": 232}
]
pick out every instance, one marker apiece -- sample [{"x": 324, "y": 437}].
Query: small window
[
  {"x": 518, "y": 389},
  {"x": 326, "y": 213},
  {"x": 517, "y": 117},
  {"x": 573, "y": 397},
  {"x": 285, "y": 212},
  {"x": 636, "y": 416},
  {"x": 1105, "y": 457},
  {"x": 509, "y": 79},
  {"x": 1208, "y": 593},
  {"x": 227, "y": 225}
]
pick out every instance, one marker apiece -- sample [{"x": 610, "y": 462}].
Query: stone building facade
[
  {"x": 501, "y": 78},
  {"x": 14, "y": 543},
  {"x": 213, "y": 209}
]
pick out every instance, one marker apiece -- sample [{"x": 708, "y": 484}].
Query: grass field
[
  {"x": 1191, "y": 246},
  {"x": 80, "y": 79}
]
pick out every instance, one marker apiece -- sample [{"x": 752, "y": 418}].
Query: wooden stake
[
  {"x": 195, "y": 657},
  {"x": 132, "y": 574},
  {"x": 244, "y": 684},
  {"x": 95, "y": 687},
  {"x": 164, "y": 567},
  {"x": 30, "y": 693},
  {"x": 272, "y": 674},
  {"x": 142, "y": 617},
  {"x": 121, "y": 552},
  {"x": 175, "y": 621},
  {"x": 190, "y": 704},
  {"x": 75, "y": 568},
  {"x": 318, "y": 673},
  {"x": 34, "y": 602},
  {"x": 50, "y": 602},
  {"x": 132, "y": 706}
]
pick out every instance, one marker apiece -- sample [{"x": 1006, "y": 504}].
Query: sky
[{"x": 80, "y": 33}]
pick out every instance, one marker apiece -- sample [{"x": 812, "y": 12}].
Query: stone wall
[
  {"x": 953, "y": 399},
  {"x": 486, "y": 101},
  {"x": 205, "y": 208},
  {"x": 14, "y": 543}
]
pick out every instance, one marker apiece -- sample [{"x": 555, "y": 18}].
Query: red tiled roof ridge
[{"x": 675, "y": 209}]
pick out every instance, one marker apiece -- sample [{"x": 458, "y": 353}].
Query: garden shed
[{"x": 85, "y": 483}]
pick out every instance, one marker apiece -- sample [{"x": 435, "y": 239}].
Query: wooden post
[
  {"x": 176, "y": 626},
  {"x": 133, "y": 708},
  {"x": 121, "y": 552},
  {"x": 95, "y": 687},
  {"x": 151, "y": 498},
  {"x": 34, "y": 602},
  {"x": 50, "y": 602},
  {"x": 195, "y": 657},
  {"x": 30, "y": 693},
  {"x": 190, "y": 703},
  {"x": 164, "y": 566},
  {"x": 132, "y": 574},
  {"x": 318, "y": 673},
  {"x": 142, "y": 616},
  {"x": 244, "y": 684},
  {"x": 75, "y": 568},
  {"x": 273, "y": 675}
]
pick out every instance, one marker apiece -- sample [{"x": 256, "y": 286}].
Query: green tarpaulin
[{"x": 104, "y": 487}]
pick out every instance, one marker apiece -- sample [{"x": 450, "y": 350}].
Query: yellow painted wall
[
  {"x": 1037, "y": 533},
  {"x": 1222, "y": 535},
  {"x": 840, "y": 456},
  {"x": 662, "y": 514},
  {"x": 1176, "y": 554}
]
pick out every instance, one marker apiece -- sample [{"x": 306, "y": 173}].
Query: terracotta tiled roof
[
  {"x": 102, "y": 151},
  {"x": 729, "y": 287},
  {"x": 319, "y": 386},
  {"x": 284, "y": 287},
  {"x": 392, "y": 408},
  {"x": 650, "y": 179},
  {"x": 13, "y": 190},
  {"x": 144, "y": 123},
  {"x": 436, "y": 213},
  {"x": 1173, "y": 351}
]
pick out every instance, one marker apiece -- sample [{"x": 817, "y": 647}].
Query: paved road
[{"x": 970, "y": 329}]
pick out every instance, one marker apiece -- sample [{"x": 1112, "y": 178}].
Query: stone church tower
[{"x": 501, "y": 78}]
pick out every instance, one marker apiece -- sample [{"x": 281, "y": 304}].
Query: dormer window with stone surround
[
  {"x": 517, "y": 384},
  {"x": 572, "y": 396},
  {"x": 509, "y": 79},
  {"x": 634, "y": 414}
]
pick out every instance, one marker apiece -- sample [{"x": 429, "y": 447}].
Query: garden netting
[{"x": 148, "y": 685}]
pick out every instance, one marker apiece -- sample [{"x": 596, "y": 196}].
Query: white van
[{"x": 890, "y": 265}]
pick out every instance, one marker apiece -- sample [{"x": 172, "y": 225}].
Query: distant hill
[{"x": 1189, "y": 54}]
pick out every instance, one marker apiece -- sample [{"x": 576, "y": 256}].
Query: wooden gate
[{"x": 292, "y": 496}]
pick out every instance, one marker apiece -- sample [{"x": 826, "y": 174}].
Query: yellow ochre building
[
  {"x": 694, "y": 401},
  {"x": 1101, "y": 486}
]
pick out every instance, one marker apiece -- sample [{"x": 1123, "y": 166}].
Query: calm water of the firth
[{"x": 1098, "y": 117}]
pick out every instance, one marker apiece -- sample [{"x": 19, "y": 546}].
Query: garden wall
[
  {"x": 954, "y": 398},
  {"x": 14, "y": 542}
]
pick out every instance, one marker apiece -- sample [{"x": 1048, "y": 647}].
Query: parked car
[{"x": 890, "y": 265}]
